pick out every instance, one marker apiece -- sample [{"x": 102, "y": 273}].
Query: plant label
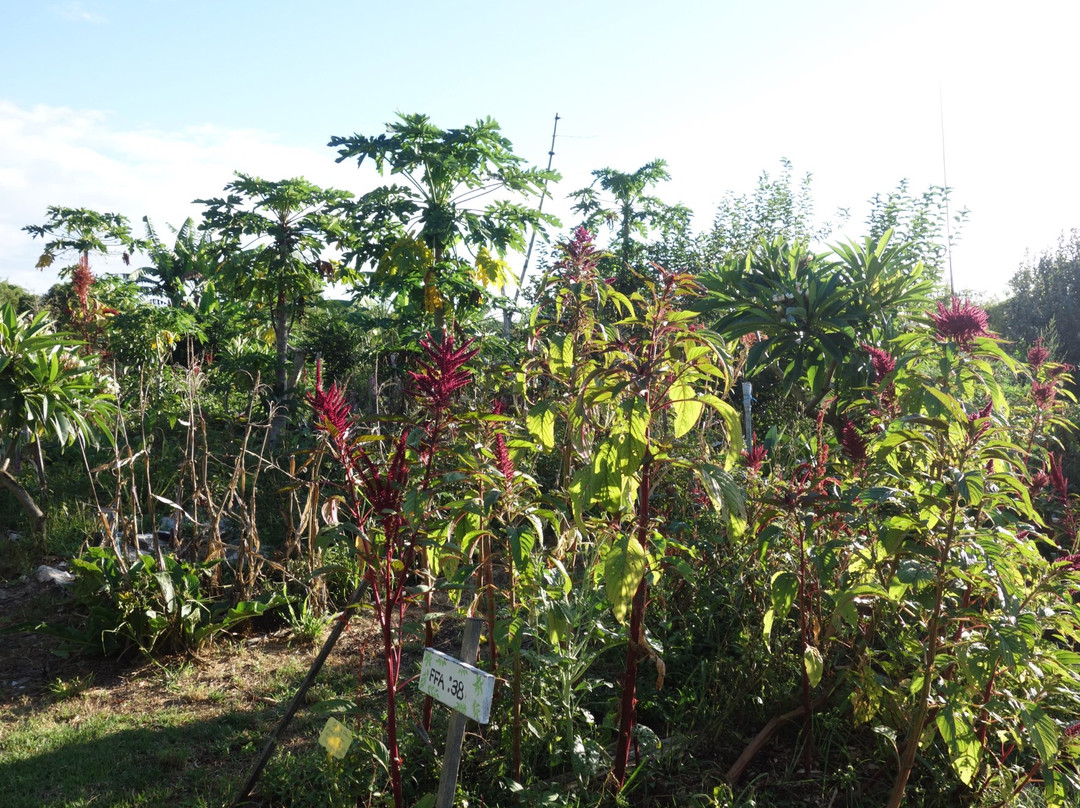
[
  {"x": 457, "y": 684},
  {"x": 336, "y": 738}
]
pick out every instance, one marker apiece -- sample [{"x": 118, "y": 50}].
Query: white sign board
[{"x": 457, "y": 684}]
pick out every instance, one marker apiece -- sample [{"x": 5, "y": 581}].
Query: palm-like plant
[{"x": 47, "y": 391}]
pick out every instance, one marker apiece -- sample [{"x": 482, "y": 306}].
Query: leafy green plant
[
  {"x": 47, "y": 391},
  {"x": 148, "y": 608},
  {"x": 388, "y": 501},
  {"x": 637, "y": 383}
]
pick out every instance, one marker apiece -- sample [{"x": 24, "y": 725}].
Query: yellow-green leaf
[
  {"x": 960, "y": 740},
  {"x": 813, "y": 664},
  {"x": 624, "y": 567},
  {"x": 686, "y": 406},
  {"x": 540, "y": 422}
]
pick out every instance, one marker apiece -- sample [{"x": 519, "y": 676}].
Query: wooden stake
[{"x": 455, "y": 733}]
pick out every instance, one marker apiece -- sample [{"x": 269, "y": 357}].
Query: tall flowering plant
[{"x": 383, "y": 496}]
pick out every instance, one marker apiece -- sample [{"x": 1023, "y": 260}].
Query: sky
[{"x": 140, "y": 107}]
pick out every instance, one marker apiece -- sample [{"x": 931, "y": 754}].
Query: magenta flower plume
[
  {"x": 884, "y": 362},
  {"x": 960, "y": 322},
  {"x": 503, "y": 461},
  {"x": 333, "y": 415},
  {"x": 755, "y": 457},
  {"x": 1057, "y": 477},
  {"x": 579, "y": 255},
  {"x": 1038, "y": 354},
  {"x": 385, "y": 490},
  {"x": 852, "y": 442},
  {"x": 979, "y": 420},
  {"x": 1043, "y": 393},
  {"x": 442, "y": 373}
]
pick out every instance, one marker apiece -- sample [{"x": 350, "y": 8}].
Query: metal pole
[{"x": 747, "y": 402}]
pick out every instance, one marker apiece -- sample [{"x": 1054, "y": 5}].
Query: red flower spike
[
  {"x": 960, "y": 323},
  {"x": 883, "y": 361},
  {"x": 81, "y": 281},
  {"x": 333, "y": 415},
  {"x": 1038, "y": 354},
  {"x": 503, "y": 461},
  {"x": 1057, "y": 477},
  {"x": 852, "y": 442},
  {"x": 755, "y": 458},
  {"x": 1039, "y": 481},
  {"x": 442, "y": 374}
]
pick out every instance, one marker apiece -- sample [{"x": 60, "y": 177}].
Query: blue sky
[{"x": 140, "y": 106}]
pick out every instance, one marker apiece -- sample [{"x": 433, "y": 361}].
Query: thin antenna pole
[
  {"x": 540, "y": 208},
  {"x": 945, "y": 180}
]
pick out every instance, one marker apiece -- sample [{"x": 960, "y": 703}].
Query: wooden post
[{"x": 455, "y": 733}]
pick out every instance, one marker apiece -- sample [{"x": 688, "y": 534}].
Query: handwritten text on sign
[{"x": 458, "y": 685}]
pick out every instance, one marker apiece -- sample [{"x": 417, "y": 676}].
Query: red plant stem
[
  {"x": 637, "y": 623},
  {"x": 429, "y": 630},
  {"x": 489, "y": 585},
  {"x": 804, "y": 636},
  {"x": 391, "y": 704}
]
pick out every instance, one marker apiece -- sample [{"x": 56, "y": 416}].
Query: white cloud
[
  {"x": 77, "y": 158},
  {"x": 75, "y": 11}
]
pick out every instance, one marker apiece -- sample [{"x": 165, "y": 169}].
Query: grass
[{"x": 181, "y": 733}]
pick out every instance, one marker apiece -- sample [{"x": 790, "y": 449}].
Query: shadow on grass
[{"x": 163, "y": 759}]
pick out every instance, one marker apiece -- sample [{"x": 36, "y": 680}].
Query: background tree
[
  {"x": 274, "y": 235},
  {"x": 17, "y": 297},
  {"x": 179, "y": 274},
  {"x": 427, "y": 242},
  {"x": 923, "y": 223},
  {"x": 1045, "y": 293},
  {"x": 630, "y": 211},
  {"x": 82, "y": 231}
]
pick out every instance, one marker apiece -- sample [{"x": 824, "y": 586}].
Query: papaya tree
[
  {"x": 274, "y": 234},
  {"x": 436, "y": 242},
  {"x": 621, "y": 200}
]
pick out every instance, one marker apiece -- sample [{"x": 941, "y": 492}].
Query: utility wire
[{"x": 945, "y": 180}]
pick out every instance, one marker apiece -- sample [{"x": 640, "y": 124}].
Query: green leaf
[
  {"x": 1042, "y": 731},
  {"x": 813, "y": 664},
  {"x": 631, "y": 434},
  {"x": 561, "y": 355},
  {"x": 960, "y": 740},
  {"x": 686, "y": 406},
  {"x": 767, "y": 624},
  {"x": 784, "y": 588},
  {"x": 540, "y": 422},
  {"x": 522, "y": 541},
  {"x": 624, "y": 567},
  {"x": 605, "y": 483}
]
